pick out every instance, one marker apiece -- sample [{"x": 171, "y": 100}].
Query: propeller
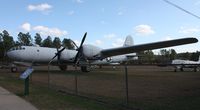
[
  {"x": 80, "y": 49},
  {"x": 58, "y": 54}
]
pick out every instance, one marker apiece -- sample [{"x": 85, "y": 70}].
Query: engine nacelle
[
  {"x": 91, "y": 51},
  {"x": 68, "y": 55}
]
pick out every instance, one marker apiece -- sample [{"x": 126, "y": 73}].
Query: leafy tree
[
  {"x": 164, "y": 52},
  {"x": 141, "y": 57},
  {"x": 56, "y": 42},
  {"x": 1, "y": 39},
  {"x": 68, "y": 43},
  {"x": 184, "y": 56},
  {"x": 47, "y": 42},
  {"x": 24, "y": 39},
  {"x": 165, "y": 55},
  {"x": 38, "y": 39},
  {"x": 172, "y": 54},
  {"x": 149, "y": 56},
  {"x": 17, "y": 43},
  {"x": 195, "y": 56},
  {"x": 6, "y": 42},
  {"x": 1, "y": 48}
]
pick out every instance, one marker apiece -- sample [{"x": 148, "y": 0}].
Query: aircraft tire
[
  {"x": 85, "y": 68},
  {"x": 63, "y": 67},
  {"x": 13, "y": 69},
  {"x": 195, "y": 69},
  {"x": 181, "y": 69}
]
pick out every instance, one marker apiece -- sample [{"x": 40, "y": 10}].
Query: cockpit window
[{"x": 17, "y": 48}]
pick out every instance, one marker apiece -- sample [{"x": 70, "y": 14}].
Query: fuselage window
[{"x": 38, "y": 50}]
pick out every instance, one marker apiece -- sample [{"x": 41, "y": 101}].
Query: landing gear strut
[
  {"x": 85, "y": 68},
  {"x": 63, "y": 67},
  {"x": 181, "y": 69}
]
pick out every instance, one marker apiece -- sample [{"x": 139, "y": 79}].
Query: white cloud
[
  {"x": 189, "y": 30},
  {"x": 143, "y": 30},
  {"x": 121, "y": 11},
  {"x": 44, "y": 7},
  {"x": 45, "y": 31},
  {"x": 70, "y": 13},
  {"x": 167, "y": 38},
  {"x": 77, "y": 42},
  {"x": 26, "y": 27},
  {"x": 118, "y": 42},
  {"x": 79, "y": 1},
  {"x": 98, "y": 42},
  {"x": 110, "y": 36}
]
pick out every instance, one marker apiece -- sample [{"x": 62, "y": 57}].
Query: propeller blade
[
  {"x": 58, "y": 53},
  {"x": 80, "y": 48},
  {"x": 61, "y": 50},
  {"x": 54, "y": 56},
  {"x": 83, "y": 39}
]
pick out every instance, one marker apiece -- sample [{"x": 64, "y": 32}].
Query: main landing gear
[
  {"x": 85, "y": 68},
  {"x": 63, "y": 67}
]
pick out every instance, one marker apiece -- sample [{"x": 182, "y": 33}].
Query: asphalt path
[{"x": 9, "y": 101}]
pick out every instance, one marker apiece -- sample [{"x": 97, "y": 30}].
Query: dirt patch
[{"x": 146, "y": 83}]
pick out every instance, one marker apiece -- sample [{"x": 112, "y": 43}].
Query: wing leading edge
[{"x": 148, "y": 46}]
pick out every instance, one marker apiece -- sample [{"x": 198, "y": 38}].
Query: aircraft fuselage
[{"x": 39, "y": 54}]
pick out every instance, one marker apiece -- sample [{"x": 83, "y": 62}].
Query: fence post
[
  {"x": 126, "y": 83},
  {"x": 76, "y": 84}
]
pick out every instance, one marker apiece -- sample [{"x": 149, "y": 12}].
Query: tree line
[
  {"x": 165, "y": 56},
  {"x": 7, "y": 42}
]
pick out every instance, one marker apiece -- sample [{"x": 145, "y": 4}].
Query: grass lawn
[
  {"x": 150, "y": 88},
  {"x": 49, "y": 99}
]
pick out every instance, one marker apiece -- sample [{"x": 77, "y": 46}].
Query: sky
[{"x": 107, "y": 22}]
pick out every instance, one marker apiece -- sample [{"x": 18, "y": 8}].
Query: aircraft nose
[{"x": 9, "y": 54}]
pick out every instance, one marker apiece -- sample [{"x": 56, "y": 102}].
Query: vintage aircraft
[
  {"x": 181, "y": 64},
  {"x": 84, "y": 55}
]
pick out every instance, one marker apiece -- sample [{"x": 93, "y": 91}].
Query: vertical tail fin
[{"x": 128, "y": 41}]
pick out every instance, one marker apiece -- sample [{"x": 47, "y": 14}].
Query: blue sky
[{"x": 107, "y": 22}]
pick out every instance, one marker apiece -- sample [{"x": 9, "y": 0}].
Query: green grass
[
  {"x": 163, "y": 90},
  {"x": 170, "y": 103},
  {"x": 47, "y": 99}
]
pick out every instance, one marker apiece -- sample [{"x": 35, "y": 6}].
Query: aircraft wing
[{"x": 148, "y": 46}]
